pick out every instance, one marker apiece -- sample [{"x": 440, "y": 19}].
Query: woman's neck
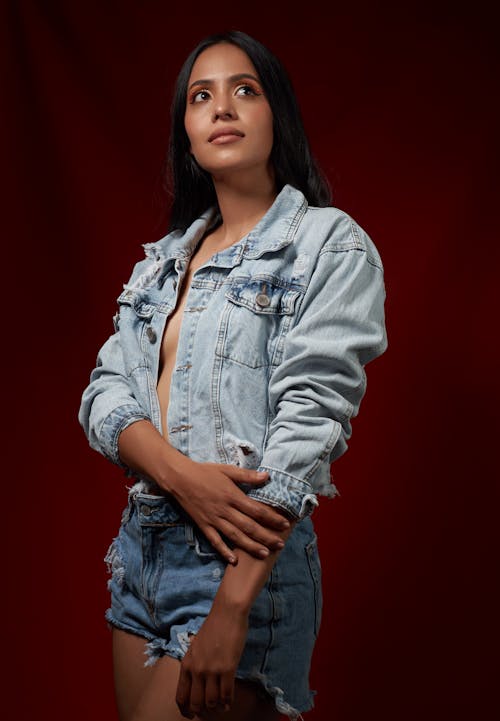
[{"x": 241, "y": 207}]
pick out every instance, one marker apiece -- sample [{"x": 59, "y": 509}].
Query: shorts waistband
[{"x": 153, "y": 509}]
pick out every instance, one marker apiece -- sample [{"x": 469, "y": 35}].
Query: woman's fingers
[
  {"x": 244, "y": 533},
  {"x": 253, "y": 530},
  {"x": 212, "y": 691},
  {"x": 260, "y": 512},
  {"x": 183, "y": 693},
  {"x": 209, "y": 666},
  {"x": 243, "y": 475},
  {"x": 239, "y": 539},
  {"x": 197, "y": 703},
  {"x": 196, "y": 692},
  {"x": 264, "y": 514},
  {"x": 242, "y": 540},
  {"x": 226, "y": 515},
  {"x": 227, "y": 689},
  {"x": 222, "y": 548}
]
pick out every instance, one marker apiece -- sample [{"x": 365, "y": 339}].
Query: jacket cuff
[
  {"x": 116, "y": 422},
  {"x": 286, "y": 492}
]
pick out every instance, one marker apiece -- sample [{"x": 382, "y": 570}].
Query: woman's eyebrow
[{"x": 231, "y": 79}]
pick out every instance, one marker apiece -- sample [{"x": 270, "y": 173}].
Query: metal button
[
  {"x": 151, "y": 334},
  {"x": 263, "y": 299},
  {"x": 146, "y": 510}
]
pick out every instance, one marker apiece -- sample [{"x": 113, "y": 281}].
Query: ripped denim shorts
[{"x": 164, "y": 577}]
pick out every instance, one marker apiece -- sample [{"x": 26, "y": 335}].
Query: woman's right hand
[{"x": 208, "y": 492}]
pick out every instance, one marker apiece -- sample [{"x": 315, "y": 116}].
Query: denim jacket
[{"x": 269, "y": 371}]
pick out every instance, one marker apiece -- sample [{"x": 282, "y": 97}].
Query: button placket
[{"x": 179, "y": 405}]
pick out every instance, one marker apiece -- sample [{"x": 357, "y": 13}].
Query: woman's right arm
[
  {"x": 117, "y": 426},
  {"x": 207, "y": 491}
]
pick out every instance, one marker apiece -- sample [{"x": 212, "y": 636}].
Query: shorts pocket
[
  {"x": 314, "y": 563},
  {"x": 202, "y": 546}
]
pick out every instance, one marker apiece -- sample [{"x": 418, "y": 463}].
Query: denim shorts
[{"x": 164, "y": 577}]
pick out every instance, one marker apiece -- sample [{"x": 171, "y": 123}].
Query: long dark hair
[{"x": 192, "y": 187}]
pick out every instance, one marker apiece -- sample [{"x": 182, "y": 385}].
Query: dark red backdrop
[{"x": 399, "y": 107}]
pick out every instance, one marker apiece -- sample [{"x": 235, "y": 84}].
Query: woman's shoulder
[{"x": 339, "y": 231}]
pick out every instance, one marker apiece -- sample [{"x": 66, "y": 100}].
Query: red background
[{"x": 400, "y": 109}]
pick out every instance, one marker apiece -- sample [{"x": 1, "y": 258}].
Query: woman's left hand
[{"x": 206, "y": 681}]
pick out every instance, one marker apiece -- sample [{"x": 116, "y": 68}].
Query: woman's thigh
[
  {"x": 130, "y": 675},
  {"x": 148, "y": 693}
]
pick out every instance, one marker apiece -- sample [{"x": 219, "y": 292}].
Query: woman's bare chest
[{"x": 173, "y": 326}]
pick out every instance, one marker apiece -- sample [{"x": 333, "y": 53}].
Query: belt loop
[
  {"x": 129, "y": 509},
  {"x": 189, "y": 534}
]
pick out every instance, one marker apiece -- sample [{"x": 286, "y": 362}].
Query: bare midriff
[{"x": 206, "y": 248}]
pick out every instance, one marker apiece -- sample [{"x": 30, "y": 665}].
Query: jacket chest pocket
[
  {"x": 138, "y": 309},
  {"x": 134, "y": 320},
  {"x": 257, "y": 314}
]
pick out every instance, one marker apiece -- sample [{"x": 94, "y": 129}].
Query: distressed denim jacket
[{"x": 269, "y": 371}]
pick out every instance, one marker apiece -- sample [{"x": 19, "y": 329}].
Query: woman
[{"x": 215, "y": 570}]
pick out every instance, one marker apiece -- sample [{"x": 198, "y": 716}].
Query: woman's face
[{"x": 219, "y": 102}]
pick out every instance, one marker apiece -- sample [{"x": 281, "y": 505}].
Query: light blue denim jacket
[{"x": 269, "y": 371}]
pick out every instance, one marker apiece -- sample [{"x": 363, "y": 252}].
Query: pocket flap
[
  {"x": 262, "y": 295},
  {"x": 132, "y": 299}
]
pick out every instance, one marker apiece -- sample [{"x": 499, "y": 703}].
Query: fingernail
[
  {"x": 232, "y": 559},
  {"x": 261, "y": 474},
  {"x": 285, "y": 524},
  {"x": 264, "y": 552},
  {"x": 280, "y": 544}
]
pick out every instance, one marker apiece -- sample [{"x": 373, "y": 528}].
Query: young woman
[{"x": 226, "y": 392}]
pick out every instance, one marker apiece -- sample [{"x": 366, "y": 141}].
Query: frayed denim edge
[
  {"x": 156, "y": 647},
  {"x": 112, "y": 622},
  {"x": 276, "y": 693}
]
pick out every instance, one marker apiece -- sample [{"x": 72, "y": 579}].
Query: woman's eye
[
  {"x": 248, "y": 87},
  {"x": 200, "y": 92},
  {"x": 204, "y": 94}
]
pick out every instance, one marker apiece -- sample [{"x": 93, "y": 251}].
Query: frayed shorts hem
[
  {"x": 153, "y": 651},
  {"x": 165, "y": 574},
  {"x": 155, "y": 646}
]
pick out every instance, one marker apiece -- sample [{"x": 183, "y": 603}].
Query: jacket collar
[{"x": 273, "y": 231}]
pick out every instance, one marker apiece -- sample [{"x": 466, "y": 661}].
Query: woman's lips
[{"x": 223, "y": 139}]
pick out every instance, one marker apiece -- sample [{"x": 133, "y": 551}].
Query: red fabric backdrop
[{"x": 400, "y": 109}]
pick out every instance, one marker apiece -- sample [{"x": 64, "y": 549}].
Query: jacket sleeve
[
  {"x": 108, "y": 405},
  {"x": 319, "y": 385}
]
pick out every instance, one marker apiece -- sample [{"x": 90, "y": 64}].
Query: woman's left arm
[
  {"x": 208, "y": 668},
  {"x": 317, "y": 387}
]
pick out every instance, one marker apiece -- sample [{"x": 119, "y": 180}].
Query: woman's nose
[{"x": 224, "y": 108}]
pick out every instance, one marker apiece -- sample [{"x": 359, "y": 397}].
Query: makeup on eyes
[
  {"x": 207, "y": 83},
  {"x": 254, "y": 91}
]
